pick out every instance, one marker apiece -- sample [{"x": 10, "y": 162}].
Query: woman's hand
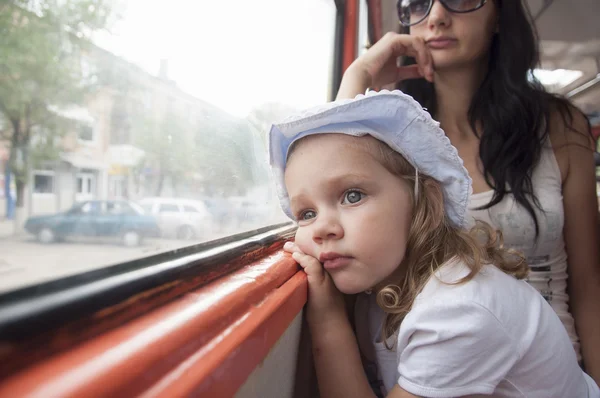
[
  {"x": 379, "y": 66},
  {"x": 325, "y": 302}
]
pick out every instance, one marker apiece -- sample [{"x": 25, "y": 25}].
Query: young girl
[{"x": 380, "y": 197}]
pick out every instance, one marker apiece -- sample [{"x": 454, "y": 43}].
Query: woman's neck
[{"x": 454, "y": 90}]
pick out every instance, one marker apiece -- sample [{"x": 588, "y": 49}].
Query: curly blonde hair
[{"x": 433, "y": 240}]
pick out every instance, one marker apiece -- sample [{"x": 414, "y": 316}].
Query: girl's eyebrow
[
  {"x": 349, "y": 177},
  {"x": 334, "y": 182},
  {"x": 294, "y": 202}
]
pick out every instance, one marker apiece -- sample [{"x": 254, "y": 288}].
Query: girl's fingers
[
  {"x": 291, "y": 247},
  {"x": 311, "y": 265}
]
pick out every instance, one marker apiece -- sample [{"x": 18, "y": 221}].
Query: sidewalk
[{"x": 6, "y": 228}]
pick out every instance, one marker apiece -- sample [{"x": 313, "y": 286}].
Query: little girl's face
[{"x": 353, "y": 214}]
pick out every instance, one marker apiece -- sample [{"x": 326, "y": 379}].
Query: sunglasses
[{"x": 412, "y": 12}]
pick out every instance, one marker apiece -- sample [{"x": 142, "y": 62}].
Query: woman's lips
[{"x": 438, "y": 44}]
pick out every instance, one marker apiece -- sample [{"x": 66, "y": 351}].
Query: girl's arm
[
  {"x": 337, "y": 361},
  {"x": 582, "y": 240},
  {"x": 398, "y": 392},
  {"x": 335, "y": 350},
  {"x": 338, "y": 364}
]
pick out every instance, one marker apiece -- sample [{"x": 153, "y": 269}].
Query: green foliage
[{"x": 43, "y": 45}]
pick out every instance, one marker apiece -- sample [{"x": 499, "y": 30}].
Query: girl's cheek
[{"x": 303, "y": 240}]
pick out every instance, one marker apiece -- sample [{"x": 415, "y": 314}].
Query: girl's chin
[{"x": 348, "y": 287}]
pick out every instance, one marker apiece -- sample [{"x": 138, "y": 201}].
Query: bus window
[{"x": 152, "y": 102}]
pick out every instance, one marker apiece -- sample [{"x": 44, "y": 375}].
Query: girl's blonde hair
[{"x": 433, "y": 240}]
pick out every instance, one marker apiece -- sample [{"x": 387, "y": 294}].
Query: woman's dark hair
[{"x": 511, "y": 106}]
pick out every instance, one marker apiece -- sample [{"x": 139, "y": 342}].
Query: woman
[{"x": 529, "y": 153}]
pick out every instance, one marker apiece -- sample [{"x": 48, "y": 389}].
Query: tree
[
  {"x": 227, "y": 153},
  {"x": 168, "y": 145},
  {"x": 42, "y": 43},
  {"x": 264, "y": 115},
  {"x": 261, "y": 118}
]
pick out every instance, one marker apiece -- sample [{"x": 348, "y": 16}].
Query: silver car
[{"x": 180, "y": 218}]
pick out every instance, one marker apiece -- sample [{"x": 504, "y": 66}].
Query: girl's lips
[{"x": 336, "y": 263}]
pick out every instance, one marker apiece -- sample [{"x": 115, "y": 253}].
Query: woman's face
[{"x": 458, "y": 40}]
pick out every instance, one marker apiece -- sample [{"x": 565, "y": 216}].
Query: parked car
[
  {"x": 249, "y": 211},
  {"x": 180, "y": 218},
  {"x": 95, "y": 218}
]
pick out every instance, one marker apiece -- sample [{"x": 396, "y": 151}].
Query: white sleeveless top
[{"x": 547, "y": 257}]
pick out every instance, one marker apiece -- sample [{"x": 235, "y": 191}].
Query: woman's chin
[{"x": 444, "y": 62}]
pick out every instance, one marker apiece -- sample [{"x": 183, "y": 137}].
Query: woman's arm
[
  {"x": 582, "y": 235},
  {"x": 378, "y": 66}
]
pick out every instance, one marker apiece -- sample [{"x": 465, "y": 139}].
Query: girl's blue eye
[
  {"x": 352, "y": 197},
  {"x": 307, "y": 215}
]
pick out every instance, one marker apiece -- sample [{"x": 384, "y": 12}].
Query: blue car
[{"x": 96, "y": 218}]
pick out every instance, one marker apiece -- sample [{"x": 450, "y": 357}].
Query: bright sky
[{"x": 235, "y": 54}]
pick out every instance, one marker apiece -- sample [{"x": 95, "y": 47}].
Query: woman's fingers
[
  {"x": 412, "y": 46},
  {"x": 378, "y": 67},
  {"x": 409, "y": 72},
  {"x": 423, "y": 57}
]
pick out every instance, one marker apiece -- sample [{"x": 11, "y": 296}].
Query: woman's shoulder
[{"x": 569, "y": 131}]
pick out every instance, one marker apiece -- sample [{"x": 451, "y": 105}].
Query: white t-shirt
[{"x": 491, "y": 335}]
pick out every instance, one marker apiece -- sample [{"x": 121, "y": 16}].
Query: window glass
[
  {"x": 120, "y": 208},
  {"x": 86, "y": 132},
  {"x": 147, "y": 208},
  {"x": 94, "y": 207},
  {"x": 43, "y": 182},
  {"x": 127, "y": 113},
  {"x": 166, "y": 208}
]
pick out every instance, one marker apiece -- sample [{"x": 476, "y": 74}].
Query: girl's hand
[
  {"x": 378, "y": 66},
  {"x": 325, "y": 302}
]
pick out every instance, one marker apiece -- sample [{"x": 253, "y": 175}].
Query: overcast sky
[{"x": 235, "y": 54}]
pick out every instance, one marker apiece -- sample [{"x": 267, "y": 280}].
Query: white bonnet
[{"x": 392, "y": 117}]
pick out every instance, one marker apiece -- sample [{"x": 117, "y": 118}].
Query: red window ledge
[{"x": 205, "y": 342}]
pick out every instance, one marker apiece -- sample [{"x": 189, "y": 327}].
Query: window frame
[{"x": 35, "y": 320}]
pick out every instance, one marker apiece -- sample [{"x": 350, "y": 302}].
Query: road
[{"x": 23, "y": 261}]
